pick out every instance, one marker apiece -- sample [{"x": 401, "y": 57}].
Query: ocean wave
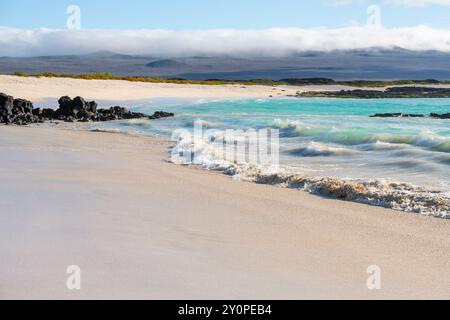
[
  {"x": 412, "y": 165},
  {"x": 444, "y": 159},
  {"x": 397, "y": 196},
  {"x": 383, "y": 146},
  {"x": 408, "y": 152},
  {"x": 204, "y": 123},
  {"x": 393, "y": 149},
  {"x": 360, "y": 137},
  {"x": 315, "y": 149},
  {"x": 145, "y": 123},
  {"x": 289, "y": 128},
  {"x": 428, "y": 140},
  {"x": 107, "y": 130},
  {"x": 285, "y": 123},
  {"x": 115, "y": 130},
  {"x": 443, "y": 146}
]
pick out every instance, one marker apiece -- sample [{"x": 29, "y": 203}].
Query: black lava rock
[
  {"x": 161, "y": 114},
  {"x": 16, "y": 111},
  {"x": 6, "y": 104},
  {"x": 21, "y": 112},
  {"x": 440, "y": 116},
  {"x": 386, "y": 115},
  {"x": 396, "y": 115},
  {"x": 22, "y": 106},
  {"x": 393, "y": 92},
  {"x": 70, "y": 108}
]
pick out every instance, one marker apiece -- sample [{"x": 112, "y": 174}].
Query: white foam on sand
[{"x": 388, "y": 194}]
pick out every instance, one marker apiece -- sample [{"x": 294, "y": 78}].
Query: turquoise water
[{"x": 329, "y": 137}]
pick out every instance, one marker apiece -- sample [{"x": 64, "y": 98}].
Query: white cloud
[{"x": 269, "y": 42}]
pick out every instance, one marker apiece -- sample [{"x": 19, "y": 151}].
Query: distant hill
[
  {"x": 165, "y": 64},
  {"x": 373, "y": 64}
]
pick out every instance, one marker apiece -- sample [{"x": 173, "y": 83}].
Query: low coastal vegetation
[
  {"x": 109, "y": 76},
  {"x": 266, "y": 82}
]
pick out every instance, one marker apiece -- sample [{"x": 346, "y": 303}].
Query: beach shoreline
[
  {"x": 140, "y": 227},
  {"x": 48, "y": 90}
]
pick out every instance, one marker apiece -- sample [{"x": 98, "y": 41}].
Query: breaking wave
[
  {"x": 397, "y": 196},
  {"x": 204, "y": 123},
  {"x": 316, "y": 149},
  {"x": 354, "y": 136}
]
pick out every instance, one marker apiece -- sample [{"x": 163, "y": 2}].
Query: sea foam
[
  {"x": 397, "y": 196},
  {"x": 316, "y": 149},
  {"x": 350, "y": 136}
]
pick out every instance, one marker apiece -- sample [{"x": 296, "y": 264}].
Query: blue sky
[
  {"x": 177, "y": 28},
  {"x": 208, "y": 14}
]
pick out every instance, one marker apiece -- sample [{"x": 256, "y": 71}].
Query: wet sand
[{"x": 140, "y": 227}]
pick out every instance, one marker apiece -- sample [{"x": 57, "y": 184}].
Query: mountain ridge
[{"x": 364, "y": 64}]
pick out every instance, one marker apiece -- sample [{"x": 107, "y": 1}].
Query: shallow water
[{"x": 329, "y": 138}]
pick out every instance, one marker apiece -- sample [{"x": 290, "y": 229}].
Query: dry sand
[
  {"x": 41, "y": 89},
  {"x": 140, "y": 227},
  {"x": 51, "y": 89}
]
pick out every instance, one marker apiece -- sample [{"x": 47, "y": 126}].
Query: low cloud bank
[{"x": 269, "y": 42}]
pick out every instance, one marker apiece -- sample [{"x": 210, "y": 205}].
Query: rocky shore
[
  {"x": 389, "y": 93},
  {"x": 408, "y": 115},
  {"x": 22, "y": 112}
]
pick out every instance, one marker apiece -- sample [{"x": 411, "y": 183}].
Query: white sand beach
[
  {"x": 40, "y": 89},
  {"x": 142, "y": 228},
  {"x": 44, "y": 89}
]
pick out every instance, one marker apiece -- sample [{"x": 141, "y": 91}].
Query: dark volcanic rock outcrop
[
  {"x": 386, "y": 115},
  {"x": 16, "y": 111},
  {"x": 21, "y": 112},
  {"x": 77, "y": 108},
  {"x": 118, "y": 113},
  {"x": 396, "y": 115},
  {"x": 406, "y": 115},
  {"x": 389, "y": 93},
  {"x": 6, "y": 104},
  {"x": 440, "y": 116}
]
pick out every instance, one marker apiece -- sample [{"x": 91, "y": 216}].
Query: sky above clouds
[
  {"x": 207, "y": 14},
  {"x": 180, "y": 27}
]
